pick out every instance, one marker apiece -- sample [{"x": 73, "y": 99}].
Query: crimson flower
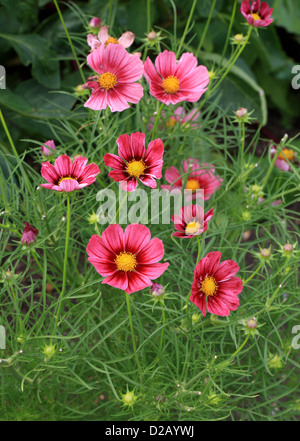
[
  {"x": 174, "y": 81},
  {"x": 65, "y": 176},
  {"x": 191, "y": 221},
  {"x": 214, "y": 287},
  {"x": 128, "y": 260},
  {"x": 134, "y": 162},
  {"x": 201, "y": 177},
  {"x": 256, "y": 14}
]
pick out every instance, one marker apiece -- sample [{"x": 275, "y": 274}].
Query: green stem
[
  {"x": 206, "y": 27},
  {"x": 162, "y": 329},
  {"x": 148, "y": 16},
  {"x": 69, "y": 40},
  {"x": 199, "y": 248},
  {"x": 252, "y": 275},
  {"x": 186, "y": 28},
  {"x": 65, "y": 264},
  {"x": 229, "y": 32},
  {"x": 132, "y": 332},
  {"x": 154, "y": 130}
]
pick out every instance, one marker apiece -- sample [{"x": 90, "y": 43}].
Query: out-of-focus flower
[
  {"x": 191, "y": 221},
  {"x": 65, "y": 176},
  {"x": 29, "y": 234},
  {"x": 257, "y": 14},
  {"x": 201, "y": 177},
  {"x": 135, "y": 163},
  {"x": 126, "y": 39},
  {"x": 284, "y": 158},
  {"x": 128, "y": 260},
  {"x": 238, "y": 39},
  {"x": 115, "y": 85},
  {"x": 174, "y": 81},
  {"x": 180, "y": 116},
  {"x": 215, "y": 289},
  {"x": 50, "y": 149}
]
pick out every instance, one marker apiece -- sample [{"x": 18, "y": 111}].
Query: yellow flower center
[
  {"x": 67, "y": 178},
  {"x": 107, "y": 80},
  {"x": 170, "y": 84},
  {"x": 286, "y": 154},
  {"x": 111, "y": 40},
  {"x": 209, "y": 286},
  {"x": 192, "y": 227},
  {"x": 256, "y": 16},
  {"x": 136, "y": 168},
  {"x": 126, "y": 261},
  {"x": 192, "y": 184}
]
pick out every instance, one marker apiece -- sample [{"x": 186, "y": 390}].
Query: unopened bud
[
  {"x": 152, "y": 35},
  {"x": 157, "y": 290},
  {"x": 251, "y": 324}
]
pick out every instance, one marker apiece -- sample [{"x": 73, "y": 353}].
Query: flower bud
[
  {"x": 129, "y": 398},
  {"x": 287, "y": 249},
  {"x": 251, "y": 324},
  {"x": 49, "y": 351},
  {"x": 246, "y": 215},
  {"x": 157, "y": 290},
  {"x": 48, "y": 151},
  {"x": 265, "y": 253},
  {"x": 95, "y": 23},
  {"x": 238, "y": 39},
  {"x": 275, "y": 362},
  {"x": 241, "y": 113},
  {"x": 152, "y": 35},
  {"x": 29, "y": 234}
]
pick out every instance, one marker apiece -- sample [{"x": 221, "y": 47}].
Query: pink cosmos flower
[
  {"x": 65, "y": 176},
  {"x": 48, "y": 151},
  {"x": 284, "y": 159},
  {"x": 128, "y": 260},
  {"x": 257, "y": 15},
  {"x": 214, "y": 286},
  {"x": 115, "y": 85},
  {"x": 174, "y": 81},
  {"x": 29, "y": 234},
  {"x": 134, "y": 163},
  {"x": 191, "y": 221},
  {"x": 201, "y": 177}
]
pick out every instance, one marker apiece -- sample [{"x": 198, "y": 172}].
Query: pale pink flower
[{"x": 125, "y": 40}]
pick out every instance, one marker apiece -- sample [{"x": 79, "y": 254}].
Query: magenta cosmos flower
[
  {"x": 65, "y": 176},
  {"x": 191, "y": 221},
  {"x": 29, "y": 234},
  {"x": 128, "y": 260},
  {"x": 257, "y": 15},
  {"x": 134, "y": 162},
  {"x": 214, "y": 287},
  {"x": 284, "y": 158},
  {"x": 115, "y": 85},
  {"x": 174, "y": 81},
  {"x": 50, "y": 149},
  {"x": 201, "y": 177}
]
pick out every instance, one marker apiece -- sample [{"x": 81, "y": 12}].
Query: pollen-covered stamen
[
  {"x": 170, "y": 84},
  {"x": 192, "y": 184},
  {"x": 287, "y": 154},
  {"x": 66, "y": 178},
  {"x": 256, "y": 16},
  {"x": 192, "y": 227},
  {"x": 126, "y": 261},
  {"x": 111, "y": 40},
  {"x": 136, "y": 168},
  {"x": 107, "y": 80},
  {"x": 209, "y": 286}
]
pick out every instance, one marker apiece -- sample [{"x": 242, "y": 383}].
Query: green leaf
[{"x": 32, "y": 49}]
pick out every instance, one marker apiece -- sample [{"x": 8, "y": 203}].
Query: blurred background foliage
[{"x": 42, "y": 75}]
